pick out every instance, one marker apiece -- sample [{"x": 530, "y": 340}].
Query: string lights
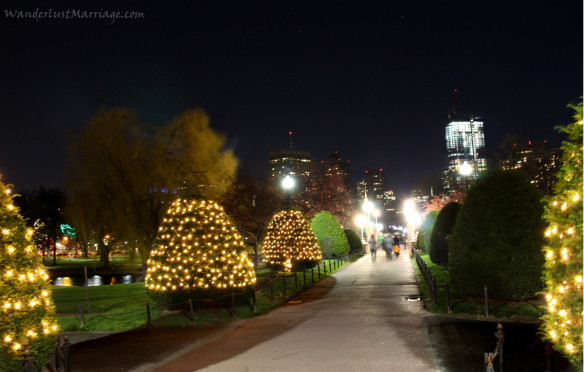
[
  {"x": 290, "y": 244},
  {"x": 27, "y": 313},
  {"x": 198, "y": 249},
  {"x": 563, "y": 252}
]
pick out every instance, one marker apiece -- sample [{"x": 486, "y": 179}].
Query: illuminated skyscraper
[
  {"x": 290, "y": 162},
  {"x": 465, "y": 142},
  {"x": 374, "y": 184}
]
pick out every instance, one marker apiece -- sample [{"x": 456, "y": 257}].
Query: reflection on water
[{"x": 66, "y": 281}]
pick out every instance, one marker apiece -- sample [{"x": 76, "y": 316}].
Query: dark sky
[{"x": 373, "y": 80}]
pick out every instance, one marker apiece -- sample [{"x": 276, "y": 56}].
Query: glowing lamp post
[
  {"x": 361, "y": 221},
  {"x": 288, "y": 185},
  {"x": 465, "y": 170},
  {"x": 376, "y": 214},
  {"x": 412, "y": 219},
  {"x": 368, "y": 207}
]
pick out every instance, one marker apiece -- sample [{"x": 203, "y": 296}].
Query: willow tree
[{"x": 123, "y": 174}]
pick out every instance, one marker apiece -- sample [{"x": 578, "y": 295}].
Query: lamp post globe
[
  {"x": 465, "y": 170},
  {"x": 288, "y": 184}
]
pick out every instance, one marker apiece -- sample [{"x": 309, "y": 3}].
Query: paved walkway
[{"x": 360, "y": 319}]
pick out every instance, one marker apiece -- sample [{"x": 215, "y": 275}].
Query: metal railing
[
  {"x": 59, "y": 361},
  {"x": 489, "y": 358}
]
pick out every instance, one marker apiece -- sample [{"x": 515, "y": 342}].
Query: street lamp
[
  {"x": 361, "y": 221},
  {"x": 288, "y": 184},
  {"x": 413, "y": 219},
  {"x": 465, "y": 170},
  {"x": 367, "y": 207},
  {"x": 376, "y": 214}
]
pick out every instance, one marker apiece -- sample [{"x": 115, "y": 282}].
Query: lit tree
[
  {"x": 198, "y": 253},
  {"x": 27, "y": 314},
  {"x": 563, "y": 266},
  {"x": 290, "y": 244}
]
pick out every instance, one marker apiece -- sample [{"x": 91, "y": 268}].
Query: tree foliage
[
  {"x": 355, "y": 243},
  {"x": 123, "y": 173},
  {"x": 42, "y": 210},
  {"x": 563, "y": 250},
  {"x": 324, "y": 225},
  {"x": 326, "y": 193},
  {"x": 251, "y": 202},
  {"x": 27, "y": 319},
  {"x": 443, "y": 226},
  {"x": 498, "y": 237},
  {"x": 290, "y": 244},
  {"x": 198, "y": 254},
  {"x": 437, "y": 202},
  {"x": 426, "y": 230}
]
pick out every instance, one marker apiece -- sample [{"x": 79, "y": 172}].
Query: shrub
[
  {"x": 27, "y": 319},
  {"x": 443, "y": 226},
  {"x": 355, "y": 243},
  {"x": 198, "y": 254},
  {"x": 498, "y": 237},
  {"x": 324, "y": 225},
  {"x": 290, "y": 244},
  {"x": 426, "y": 230}
]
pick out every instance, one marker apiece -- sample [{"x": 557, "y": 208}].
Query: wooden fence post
[
  {"x": 148, "y": 318},
  {"x": 192, "y": 312},
  {"x": 82, "y": 317},
  {"x": 284, "y": 279}
]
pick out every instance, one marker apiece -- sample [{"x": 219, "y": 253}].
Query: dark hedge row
[
  {"x": 498, "y": 237},
  {"x": 442, "y": 229}
]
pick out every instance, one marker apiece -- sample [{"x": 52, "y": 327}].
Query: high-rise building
[
  {"x": 465, "y": 142},
  {"x": 539, "y": 163},
  {"x": 290, "y": 162},
  {"x": 335, "y": 166},
  {"x": 374, "y": 186}
]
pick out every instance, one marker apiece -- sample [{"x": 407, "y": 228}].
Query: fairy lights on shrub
[
  {"x": 290, "y": 244},
  {"x": 27, "y": 313},
  {"x": 198, "y": 249},
  {"x": 563, "y": 252}
]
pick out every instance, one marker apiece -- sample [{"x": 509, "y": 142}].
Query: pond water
[{"x": 95, "y": 280}]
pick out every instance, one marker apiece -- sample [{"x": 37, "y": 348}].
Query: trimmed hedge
[
  {"x": 426, "y": 228},
  {"x": 355, "y": 243},
  {"x": 498, "y": 237},
  {"x": 324, "y": 225},
  {"x": 443, "y": 227}
]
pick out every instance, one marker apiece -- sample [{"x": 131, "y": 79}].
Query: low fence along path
[{"x": 363, "y": 318}]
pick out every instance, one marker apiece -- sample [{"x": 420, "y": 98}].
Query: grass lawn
[
  {"x": 499, "y": 308},
  {"x": 123, "y": 307}
]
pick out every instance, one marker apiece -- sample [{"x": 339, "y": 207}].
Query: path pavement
[{"x": 359, "y": 319}]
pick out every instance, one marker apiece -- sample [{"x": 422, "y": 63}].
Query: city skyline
[{"x": 372, "y": 81}]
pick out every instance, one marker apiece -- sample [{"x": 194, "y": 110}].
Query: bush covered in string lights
[
  {"x": 563, "y": 251},
  {"x": 198, "y": 254},
  {"x": 290, "y": 245},
  {"x": 325, "y": 224},
  {"x": 27, "y": 313}
]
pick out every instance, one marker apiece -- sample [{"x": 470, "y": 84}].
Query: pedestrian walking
[
  {"x": 373, "y": 247},
  {"x": 387, "y": 245},
  {"x": 396, "y": 240},
  {"x": 396, "y": 245}
]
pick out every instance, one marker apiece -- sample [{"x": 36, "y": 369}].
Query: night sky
[{"x": 373, "y": 80}]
